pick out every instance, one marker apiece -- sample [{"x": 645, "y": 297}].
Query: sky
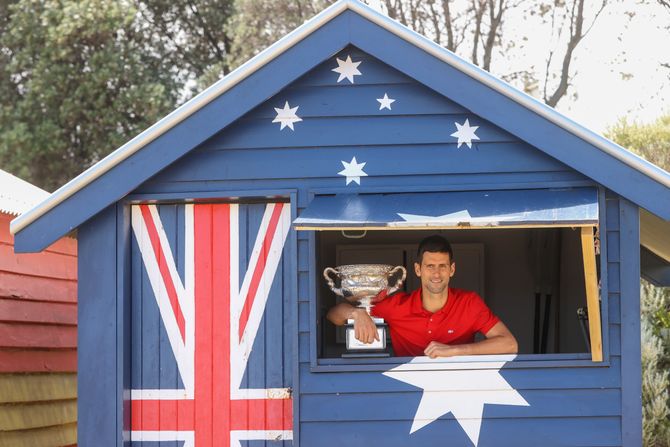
[
  {"x": 621, "y": 76},
  {"x": 616, "y": 67}
]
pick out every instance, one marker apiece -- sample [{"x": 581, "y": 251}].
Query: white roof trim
[{"x": 290, "y": 40}]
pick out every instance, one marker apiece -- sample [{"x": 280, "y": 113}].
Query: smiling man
[{"x": 434, "y": 320}]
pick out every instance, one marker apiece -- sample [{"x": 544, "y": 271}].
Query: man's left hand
[{"x": 436, "y": 349}]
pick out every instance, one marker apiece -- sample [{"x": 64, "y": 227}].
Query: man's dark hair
[{"x": 434, "y": 244}]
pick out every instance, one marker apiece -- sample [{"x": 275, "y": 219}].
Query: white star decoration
[
  {"x": 347, "y": 69},
  {"x": 385, "y": 102},
  {"x": 461, "y": 392},
  {"x": 458, "y": 217},
  {"x": 286, "y": 116},
  {"x": 465, "y": 133},
  {"x": 353, "y": 171}
]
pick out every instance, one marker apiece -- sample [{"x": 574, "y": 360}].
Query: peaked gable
[
  {"x": 347, "y": 22},
  {"x": 413, "y": 132}
]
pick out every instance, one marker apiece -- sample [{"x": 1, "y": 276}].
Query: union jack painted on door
[{"x": 210, "y": 364}]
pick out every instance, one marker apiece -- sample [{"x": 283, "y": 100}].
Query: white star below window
[
  {"x": 353, "y": 171},
  {"x": 385, "y": 102},
  {"x": 347, "y": 69},
  {"x": 463, "y": 393},
  {"x": 465, "y": 133},
  {"x": 286, "y": 116}
]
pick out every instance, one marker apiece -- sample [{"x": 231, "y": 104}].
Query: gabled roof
[
  {"x": 18, "y": 196},
  {"x": 346, "y": 22}
]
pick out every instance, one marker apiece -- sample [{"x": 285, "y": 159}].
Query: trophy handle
[
  {"x": 398, "y": 285},
  {"x": 331, "y": 283}
]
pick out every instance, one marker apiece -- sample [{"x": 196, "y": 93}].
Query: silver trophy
[{"x": 364, "y": 285}]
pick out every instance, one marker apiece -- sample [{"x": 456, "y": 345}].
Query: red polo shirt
[{"x": 412, "y": 327}]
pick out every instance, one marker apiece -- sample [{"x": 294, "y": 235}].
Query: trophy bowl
[{"x": 362, "y": 284}]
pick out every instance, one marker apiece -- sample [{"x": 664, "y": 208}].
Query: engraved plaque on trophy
[{"x": 364, "y": 285}]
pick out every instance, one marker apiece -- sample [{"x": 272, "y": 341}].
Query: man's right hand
[{"x": 365, "y": 330}]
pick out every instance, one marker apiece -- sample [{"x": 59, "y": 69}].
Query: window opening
[{"x": 534, "y": 279}]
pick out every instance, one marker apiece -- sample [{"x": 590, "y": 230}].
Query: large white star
[
  {"x": 456, "y": 218},
  {"x": 347, "y": 69},
  {"x": 465, "y": 133},
  {"x": 353, "y": 171},
  {"x": 385, "y": 102},
  {"x": 286, "y": 116},
  {"x": 463, "y": 392}
]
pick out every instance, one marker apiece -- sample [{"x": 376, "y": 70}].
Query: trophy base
[{"x": 357, "y": 348}]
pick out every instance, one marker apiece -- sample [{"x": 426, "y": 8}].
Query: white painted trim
[
  {"x": 164, "y": 435},
  {"x": 243, "y": 435},
  {"x": 260, "y": 393},
  {"x": 291, "y": 39}
]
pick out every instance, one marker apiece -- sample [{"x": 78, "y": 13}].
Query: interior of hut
[{"x": 532, "y": 278}]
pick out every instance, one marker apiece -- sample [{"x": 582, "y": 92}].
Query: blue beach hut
[{"x": 201, "y": 244}]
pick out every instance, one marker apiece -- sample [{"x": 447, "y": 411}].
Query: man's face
[{"x": 435, "y": 271}]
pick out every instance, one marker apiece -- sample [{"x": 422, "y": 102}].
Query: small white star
[
  {"x": 465, "y": 133},
  {"x": 286, "y": 116},
  {"x": 461, "y": 392},
  {"x": 347, "y": 69},
  {"x": 353, "y": 171},
  {"x": 385, "y": 102}
]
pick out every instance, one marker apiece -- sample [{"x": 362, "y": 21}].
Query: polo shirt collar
[{"x": 417, "y": 303}]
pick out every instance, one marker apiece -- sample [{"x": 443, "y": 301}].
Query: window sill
[{"x": 459, "y": 363}]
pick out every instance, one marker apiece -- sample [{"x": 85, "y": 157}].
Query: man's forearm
[
  {"x": 365, "y": 329},
  {"x": 499, "y": 344},
  {"x": 492, "y": 345},
  {"x": 340, "y": 313}
]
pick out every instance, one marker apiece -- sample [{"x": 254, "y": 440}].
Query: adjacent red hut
[{"x": 38, "y": 331}]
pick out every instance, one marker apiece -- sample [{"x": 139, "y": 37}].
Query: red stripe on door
[
  {"x": 260, "y": 266},
  {"x": 162, "y": 265}
]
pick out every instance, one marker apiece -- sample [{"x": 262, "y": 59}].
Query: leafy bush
[{"x": 655, "y": 310}]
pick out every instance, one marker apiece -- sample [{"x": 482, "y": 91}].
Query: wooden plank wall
[
  {"x": 407, "y": 148},
  {"x": 38, "y": 343}
]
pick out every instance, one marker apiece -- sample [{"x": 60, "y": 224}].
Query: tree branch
[
  {"x": 495, "y": 19},
  {"x": 478, "y": 6},
  {"x": 576, "y": 36}
]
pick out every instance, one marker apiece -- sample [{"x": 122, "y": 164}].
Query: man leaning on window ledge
[{"x": 434, "y": 320}]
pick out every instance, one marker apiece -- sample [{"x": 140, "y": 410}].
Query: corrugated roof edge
[
  {"x": 279, "y": 47},
  {"x": 17, "y": 195}
]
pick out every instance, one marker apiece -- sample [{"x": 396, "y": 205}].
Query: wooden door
[{"x": 211, "y": 331}]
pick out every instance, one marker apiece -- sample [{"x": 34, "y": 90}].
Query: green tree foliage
[
  {"x": 78, "y": 79},
  {"x": 651, "y": 141},
  {"x": 259, "y": 23},
  {"x": 655, "y": 304},
  {"x": 193, "y": 37}
]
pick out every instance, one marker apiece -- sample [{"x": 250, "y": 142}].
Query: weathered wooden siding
[
  {"x": 38, "y": 343},
  {"x": 407, "y": 148}
]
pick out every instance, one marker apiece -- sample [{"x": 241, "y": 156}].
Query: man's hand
[
  {"x": 499, "y": 340},
  {"x": 436, "y": 349},
  {"x": 365, "y": 330}
]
